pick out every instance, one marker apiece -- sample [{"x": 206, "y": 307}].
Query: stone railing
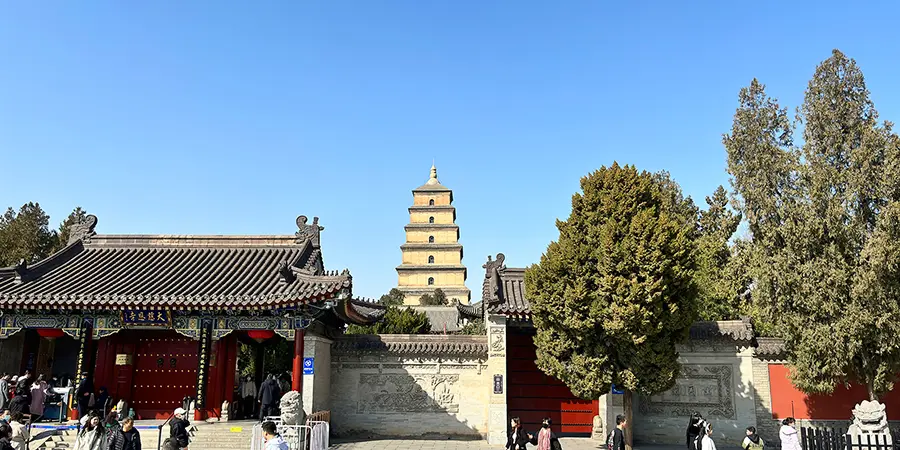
[{"x": 412, "y": 344}]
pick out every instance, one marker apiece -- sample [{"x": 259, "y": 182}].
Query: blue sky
[{"x": 224, "y": 117}]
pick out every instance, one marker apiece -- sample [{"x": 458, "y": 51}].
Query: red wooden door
[
  {"x": 165, "y": 371},
  {"x": 532, "y": 395}
]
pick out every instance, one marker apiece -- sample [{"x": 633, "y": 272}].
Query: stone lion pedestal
[
  {"x": 597, "y": 430},
  {"x": 870, "y": 419}
]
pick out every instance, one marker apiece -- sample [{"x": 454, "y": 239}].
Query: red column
[{"x": 297, "y": 374}]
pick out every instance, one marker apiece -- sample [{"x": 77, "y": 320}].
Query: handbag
[{"x": 91, "y": 401}]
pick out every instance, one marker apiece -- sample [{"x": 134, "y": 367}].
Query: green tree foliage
[
  {"x": 278, "y": 357},
  {"x": 392, "y": 298},
  {"x": 824, "y": 216},
  {"x": 438, "y": 298},
  {"x": 474, "y": 327},
  {"x": 76, "y": 216},
  {"x": 720, "y": 277},
  {"x": 396, "y": 321},
  {"x": 614, "y": 295},
  {"x": 25, "y": 235}
]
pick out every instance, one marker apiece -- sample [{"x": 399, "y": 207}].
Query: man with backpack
[{"x": 616, "y": 439}]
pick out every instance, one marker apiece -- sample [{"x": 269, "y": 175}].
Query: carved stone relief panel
[
  {"x": 404, "y": 393},
  {"x": 706, "y": 388}
]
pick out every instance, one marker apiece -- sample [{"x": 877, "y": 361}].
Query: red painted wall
[{"x": 788, "y": 401}]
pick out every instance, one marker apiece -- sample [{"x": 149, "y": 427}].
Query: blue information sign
[
  {"x": 616, "y": 390},
  {"x": 307, "y": 366}
]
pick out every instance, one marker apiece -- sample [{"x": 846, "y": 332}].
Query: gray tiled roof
[
  {"x": 419, "y": 345},
  {"x": 739, "y": 330},
  {"x": 360, "y": 311},
  {"x": 503, "y": 291},
  {"x": 191, "y": 272},
  {"x": 769, "y": 346}
]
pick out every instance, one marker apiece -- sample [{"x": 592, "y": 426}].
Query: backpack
[{"x": 611, "y": 440}]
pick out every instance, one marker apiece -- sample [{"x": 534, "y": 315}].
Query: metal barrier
[{"x": 312, "y": 436}]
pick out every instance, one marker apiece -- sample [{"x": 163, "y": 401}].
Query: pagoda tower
[{"x": 432, "y": 254}]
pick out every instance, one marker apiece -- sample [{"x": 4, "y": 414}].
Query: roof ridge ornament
[
  {"x": 287, "y": 275},
  {"x": 308, "y": 232},
  {"x": 21, "y": 271},
  {"x": 492, "y": 273},
  {"x": 83, "y": 230}
]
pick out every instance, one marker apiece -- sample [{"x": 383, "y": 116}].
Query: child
[{"x": 752, "y": 441}]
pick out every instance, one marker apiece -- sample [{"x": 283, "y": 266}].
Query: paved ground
[{"x": 414, "y": 444}]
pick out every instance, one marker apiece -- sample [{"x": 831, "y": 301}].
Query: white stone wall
[
  {"x": 317, "y": 387},
  {"x": 383, "y": 394},
  {"x": 717, "y": 381}
]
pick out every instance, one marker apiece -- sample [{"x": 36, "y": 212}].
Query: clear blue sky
[{"x": 224, "y": 117}]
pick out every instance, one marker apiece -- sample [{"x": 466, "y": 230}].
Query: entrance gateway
[
  {"x": 530, "y": 394},
  {"x": 155, "y": 318}
]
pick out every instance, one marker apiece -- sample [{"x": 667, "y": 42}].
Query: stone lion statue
[
  {"x": 870, "y": 418},
  {"x": 292, "y": 409}
]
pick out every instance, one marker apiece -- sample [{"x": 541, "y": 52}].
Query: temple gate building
[
  {"x": 432, "y": 254},
  {"x": 155, "y": 318}
]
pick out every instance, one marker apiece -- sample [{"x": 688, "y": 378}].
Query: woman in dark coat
[
  {"x": 19, "y": 404},
  {"x": 694, "y": 430},
  {"x": 83, "y": 394},
  {"x": 517, "y": 438}
]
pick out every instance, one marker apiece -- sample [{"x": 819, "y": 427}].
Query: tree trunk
[
  {"x": 870, "y": 387},
  {"x": 628, "y": 401}
]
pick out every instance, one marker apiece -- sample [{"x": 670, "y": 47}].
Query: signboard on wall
[
  {"x": 145, "y": 317},
  {"x": 123, "y": 359},
  {"x": 308, "y": 366}
]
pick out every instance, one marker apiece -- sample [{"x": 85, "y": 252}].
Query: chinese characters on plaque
[{"x": 145, "y": 317}]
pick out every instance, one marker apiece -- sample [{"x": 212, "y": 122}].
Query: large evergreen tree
[
  {"x": 824, "y": 215},
  {"x": 720, "y": 277},
  {"x": 615, "y": 293},
  {"x": 393, "y": 298},
  {"x": 25, "y": 235},
  {"x": 396, "y": 321}
]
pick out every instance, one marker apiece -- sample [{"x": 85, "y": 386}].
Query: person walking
[
  {"x": 19, "y": 404},
  {"x": 693, "y": 430},
  {"x": 788, "y": 435},
  {"x": 19, "y": 437},
  {"x": 5, "y": 434},
  {"x": 706, "y": 442},
  {"x": 92, "y": 435},
  {"x": 248, "y": 395},
  {"x": 115, "y": 438},
  {"x": 616, "y": 439},
  {"x": 518, "y": 438},
  {"x": 38, "y": 396},
  {"x": 269, "y": 395},
  {"x": 132, "y": 436},
  {"x": 178, "y": 429},
  {"x": 546, "y": 439},
  {"x": 752, "y": 441},
  {"x": 83, "y": 394},
  {"x": 273, "y": 439}
]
